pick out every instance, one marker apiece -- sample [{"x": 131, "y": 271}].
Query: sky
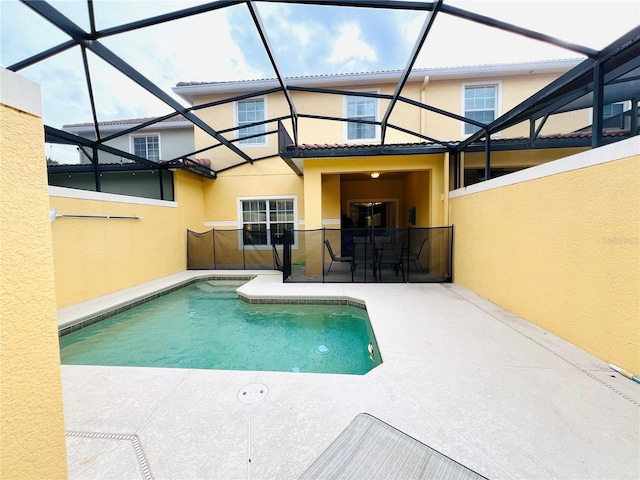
[{"x": 307, "y": 40}]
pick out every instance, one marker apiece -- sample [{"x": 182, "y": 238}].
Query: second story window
[
  {"x": 614, "y": 112},
  {"x": 146, "y": 146},
  {"x": 251, "y": 111},
  {"x": 480, "y": 104},
  {"x": 361, "y": 108}
]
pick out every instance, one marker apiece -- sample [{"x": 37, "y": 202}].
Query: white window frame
[
  {"x": 145, "y": 135},
  {"x": 498, "y": 107},
  {"x": 261, "y": 142},
  {"x": 345, "y": 110},
  {"x": 626, "y": 105},
  {"x": 240, "y": 201}
]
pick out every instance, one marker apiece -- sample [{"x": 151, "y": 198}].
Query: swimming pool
[{"x": 205, "y": 325}]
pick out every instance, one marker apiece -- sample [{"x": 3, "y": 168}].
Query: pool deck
[{"x": 479, "y": 384}]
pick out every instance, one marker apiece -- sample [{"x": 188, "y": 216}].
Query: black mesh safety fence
[
  {"x": 229, "y": 250},
  {"x": 388, "y": 255}
]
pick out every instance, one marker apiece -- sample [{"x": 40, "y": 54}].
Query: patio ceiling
[{"x": 605, "y": 75}]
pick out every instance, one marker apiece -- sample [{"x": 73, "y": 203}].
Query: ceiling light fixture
[{"x": 375, "y": 174}]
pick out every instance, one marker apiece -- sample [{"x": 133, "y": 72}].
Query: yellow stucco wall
[
  {"x": 32, "y": 441},
  {"x": 331, "y": 201},
  {"x": 95, "y": 257},
  {"x": 448, "y": 95},
  {"x": 441, "y": 92},
  {"x": 264, "y": 178},
  {"x": 310, "y": 130},
  {"x": 414, "y": 190},
  {"x": 425, "y": 175},
  {"x": 562, "y": 252},
  {"x": 518, "y": 158}
]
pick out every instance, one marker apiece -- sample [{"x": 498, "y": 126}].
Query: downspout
[
  {"x": 423, "y": 131},
  {"x": 423, "y": 100}
]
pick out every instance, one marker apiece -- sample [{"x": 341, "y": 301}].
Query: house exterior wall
[
  {"x": 560, "y": 248},
  {"x": 448, "y": 95},
  {"x": 420, "y": 168},
  {"x": 92, "y": 255},
  {"x": 265, "y": 178},
  {"x": 518, "y": 158},
  {"x": 174, "y": 143},
  {"x": 319, "y": 187},
  {"x": 32, "y": 440}
]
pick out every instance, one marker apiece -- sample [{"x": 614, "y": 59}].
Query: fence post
[
  {"x": 213, "y": 245},
  {"x": 324, "y": 238},
  {"x": 451, "y": 240},
  {"x": 286, "y": 254},
  {"x": 244, "y": 261}
]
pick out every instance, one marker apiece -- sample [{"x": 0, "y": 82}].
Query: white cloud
[{"x": 349, "y": 48}]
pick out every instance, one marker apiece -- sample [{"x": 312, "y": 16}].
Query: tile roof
[
  {"x": 362, "y": 146},
  {"x": 381, "y": 72},
  {"x": 298, "y": 77},
  {"x": 351, "y": 146},
  {"x": 129, "y": 121}
]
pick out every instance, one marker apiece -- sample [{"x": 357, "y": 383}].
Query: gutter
[{"x": 188, "y": 91}]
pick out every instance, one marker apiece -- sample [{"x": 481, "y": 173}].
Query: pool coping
[{"x": 83, "y": 314}]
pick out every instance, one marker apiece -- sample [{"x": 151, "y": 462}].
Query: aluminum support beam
[
  {"x": 390, "y": 4},
  {"x": 598, "y": 94},
  {"x": 443, "y": 112},
  {"x": 92, "y": 103},
  {"x": 48, "y": 12},
  {"x": 167, "y": 17},
  {"x": 274, "y": 63},
  {"x": 331, "y": 91},
  {"x": 426, "y": 28},
  {"x": 492, "y": 22},
  {"x": 487, "y": 156},
  {"x": 336, "y": 119},
  {"x": 70, "y": 139},
  {"x": 139, "y": 126},
  {"x": 244, "y": 96},
  {"x": 92, "y": 17},
  {"x": 96, "y": 169},
  {"x": 27, "y": 62}
]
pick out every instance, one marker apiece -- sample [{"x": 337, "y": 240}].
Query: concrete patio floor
[{"x": 474, "y": 382}]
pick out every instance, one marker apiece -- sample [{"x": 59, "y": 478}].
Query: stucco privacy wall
[
  {"x": 558, "y": 244},
  {"x": 32, "y": 441},
  {"x": 97, "y": 256}
]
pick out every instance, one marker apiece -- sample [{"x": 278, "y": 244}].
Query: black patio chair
[
  {"x": 277, "y": 263},
  {"x": 391, "y": 254},
  {"x": 363, "y": 254},
  {"x": 414, "y": 256},
  {"x": 334, "y": 257}
]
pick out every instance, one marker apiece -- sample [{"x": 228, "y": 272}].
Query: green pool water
[{"x": 205, "y": 325}]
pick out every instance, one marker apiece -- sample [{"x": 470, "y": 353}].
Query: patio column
[{"x": 312, "y": 199}]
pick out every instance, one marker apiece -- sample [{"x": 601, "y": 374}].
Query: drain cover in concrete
[{"x": 253, "y": 393}]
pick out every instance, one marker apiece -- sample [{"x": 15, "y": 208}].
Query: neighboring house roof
[{"x": 176, "y": 121}]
